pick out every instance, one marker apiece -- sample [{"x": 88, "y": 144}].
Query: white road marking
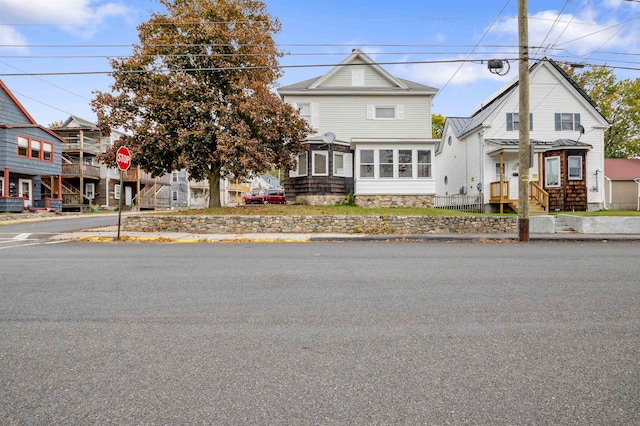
[{"x": 22, "y": 237}]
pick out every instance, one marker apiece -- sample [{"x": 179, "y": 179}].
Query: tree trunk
[{"x": 214, "y": 185}]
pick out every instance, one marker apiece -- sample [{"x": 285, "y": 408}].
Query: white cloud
[
  {"x": 76, "y": 16},
  {"x": 10, "y": 37}
]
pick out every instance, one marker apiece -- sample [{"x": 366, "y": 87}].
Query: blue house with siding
[{"x": 30, "y": 160}]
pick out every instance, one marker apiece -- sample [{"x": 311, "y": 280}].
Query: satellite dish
[
  {"x": 581, "y": 129},
  {"x": 328, "y": 137}
]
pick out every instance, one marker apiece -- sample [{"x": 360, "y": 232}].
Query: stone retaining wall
[
  {"x": 321, "y": 224},
  {"x": 382, "y": 201}
]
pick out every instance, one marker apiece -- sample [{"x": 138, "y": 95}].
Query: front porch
[{"x": 538, "y": 197}]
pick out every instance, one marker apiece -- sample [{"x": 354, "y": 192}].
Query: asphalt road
[{"x": 320, "y": 333}]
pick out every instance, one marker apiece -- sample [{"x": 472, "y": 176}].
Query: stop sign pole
[{"x": 123, "y": 160}]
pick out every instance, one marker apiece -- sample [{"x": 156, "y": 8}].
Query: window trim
[
  {"x": 410, "y": 163},
  {"x": 324, "y": 154},
  {"x": 372, "y": 164},
  {"x": 513, "y": 121},
  {"x": 27, "y": 144},
  {"x": 418, "y": 164},
  {"x": 579, "y": 157},
  {"x": 575, "y": 121},
  {"x": 336, "y": 171},
  {"x": 393, "y": 164},
  {"x": 372, "y": 112},
  {"x": 90, "y": 190},
  {"x": 305, "y": 162},
  {"x": 547, "y": 168},
  {"x": 174, "y": 176},
  {"x": 117, "y": 191},
  {"x": 174, "y": 195}
]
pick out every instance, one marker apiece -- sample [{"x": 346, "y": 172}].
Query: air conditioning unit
[{"x": 463, "y": 190}]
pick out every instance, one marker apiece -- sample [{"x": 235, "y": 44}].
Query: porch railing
[
  {"x": 495, "y": 194},
  {"x": 80, "y": 170},
  {"x": 540, "y": 195}
]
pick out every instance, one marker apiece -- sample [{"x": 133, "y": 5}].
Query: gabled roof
[
  {"x": 487, "y": 108},
  {"x": 75, "y": 122},
  {"x": 622, "y": 168},
  {"x": 396, "y": 84},
  {"x": 31, "y": 122},
  {"x": 17, "y": 104}
]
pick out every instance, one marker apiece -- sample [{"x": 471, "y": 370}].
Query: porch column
[
  {"x": 59, "y": 187},
  {"x": 540, "y": 169}
]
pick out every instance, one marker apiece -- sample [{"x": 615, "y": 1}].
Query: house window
[
  {"x": 23, "y": 146},
  {"x": 116, "y": 191},
  {"x": 385, "y": 159},
  {"x": 35, "y": 150},
  {"x": 338, "y": 164},
  {"x": 90, "y": 190},
  {"x": 302, "y": 164},
  {"x": 320, "y": 163},
  {"x": 1, "y": 187},
  {"x": 385, "y": 112},
  {"x": 424, "y": 163},
  {"x": 305, "y": 111},
  {"x": 552, "y": 171},
  {"x": 366, "y": 163},
  {"x": 498, "y": 172},
  {"x": 47, "y": 151},
  {"x": 174, "y": 176},
  {"x": 405, "y": 163},
  {"x": 174, "y": 195},
  {"x": 513, "y": 121},
  {"x": 575, "y": 167},
  {"x": 567, "y": 121}
]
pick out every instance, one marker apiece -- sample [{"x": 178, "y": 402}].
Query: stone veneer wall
[
  {"x": 321, "y": 224},
  {"x": 372, "y": 201}
]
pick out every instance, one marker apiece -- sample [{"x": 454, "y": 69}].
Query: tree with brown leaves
[{"x": 196, "y": 93}]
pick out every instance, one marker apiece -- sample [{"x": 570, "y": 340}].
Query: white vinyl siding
[{"x": 310, "y": 111}]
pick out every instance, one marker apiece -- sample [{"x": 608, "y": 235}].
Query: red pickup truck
[{"x": 273, "y": 196}]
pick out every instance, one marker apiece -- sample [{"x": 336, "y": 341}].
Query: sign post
[{"x": 123, "y": 160}]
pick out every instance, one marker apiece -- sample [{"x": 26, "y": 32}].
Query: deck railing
[{"x": 81, "y": 170}]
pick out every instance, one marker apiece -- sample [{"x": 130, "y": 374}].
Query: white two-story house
[
  {"x": 480, "y": 154},
  {"x": 372, "y": 137}
]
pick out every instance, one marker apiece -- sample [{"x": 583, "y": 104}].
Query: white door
[
  {"x": 127, "y": 195},
  {"x": 25, "y": 191}
]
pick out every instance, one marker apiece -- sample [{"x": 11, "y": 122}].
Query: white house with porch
[{"x": 479, "y": 155}]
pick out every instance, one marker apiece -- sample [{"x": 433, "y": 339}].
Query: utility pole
[{"x": 523, "y": 116}]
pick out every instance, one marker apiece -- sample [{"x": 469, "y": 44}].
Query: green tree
[
  {"x": 196, "y": 93},
  {"x": 619, "y": 102},
  {"x": 437, "y": 125}
]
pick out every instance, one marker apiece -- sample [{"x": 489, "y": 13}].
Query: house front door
[
  {"x": 25, "y": 191},
  {"x": 127, "y": 195}
]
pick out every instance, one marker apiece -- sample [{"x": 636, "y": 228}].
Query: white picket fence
[{"x": 466, "y": 203}]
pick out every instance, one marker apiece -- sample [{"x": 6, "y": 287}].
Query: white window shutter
[
  {"x": 348, "y": 165},
  {"x": 400, "y": 112},
  {"x": 371, "y": 112},
  {"x": 315, "y": 115}
]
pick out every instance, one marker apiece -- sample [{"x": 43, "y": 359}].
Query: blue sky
[{"x": 420, "y": 40}]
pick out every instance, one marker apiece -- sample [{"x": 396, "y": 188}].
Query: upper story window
[
  {"x": 567, "y": 121},
  {"x": 513, "y": 121},
  {"x": 310, "y": 111},
  {"x": 34, "y": 149},
  {"x": 174, "y": 176},
  {"x": 385, "y": 112}
]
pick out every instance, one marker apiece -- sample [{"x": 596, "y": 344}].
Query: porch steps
[
  {"x": 535, "y": 208},
  {"x": 561, "y": 226}
]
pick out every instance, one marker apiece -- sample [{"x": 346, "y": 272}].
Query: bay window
[{"x": 552, "y": 171}]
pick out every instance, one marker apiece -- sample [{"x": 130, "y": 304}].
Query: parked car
[
  {"x": 254, "y": 198},
  {"x": 275, "y": 196}
]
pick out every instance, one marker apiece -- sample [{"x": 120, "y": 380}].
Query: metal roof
[{"x": 622, "y": 168}]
